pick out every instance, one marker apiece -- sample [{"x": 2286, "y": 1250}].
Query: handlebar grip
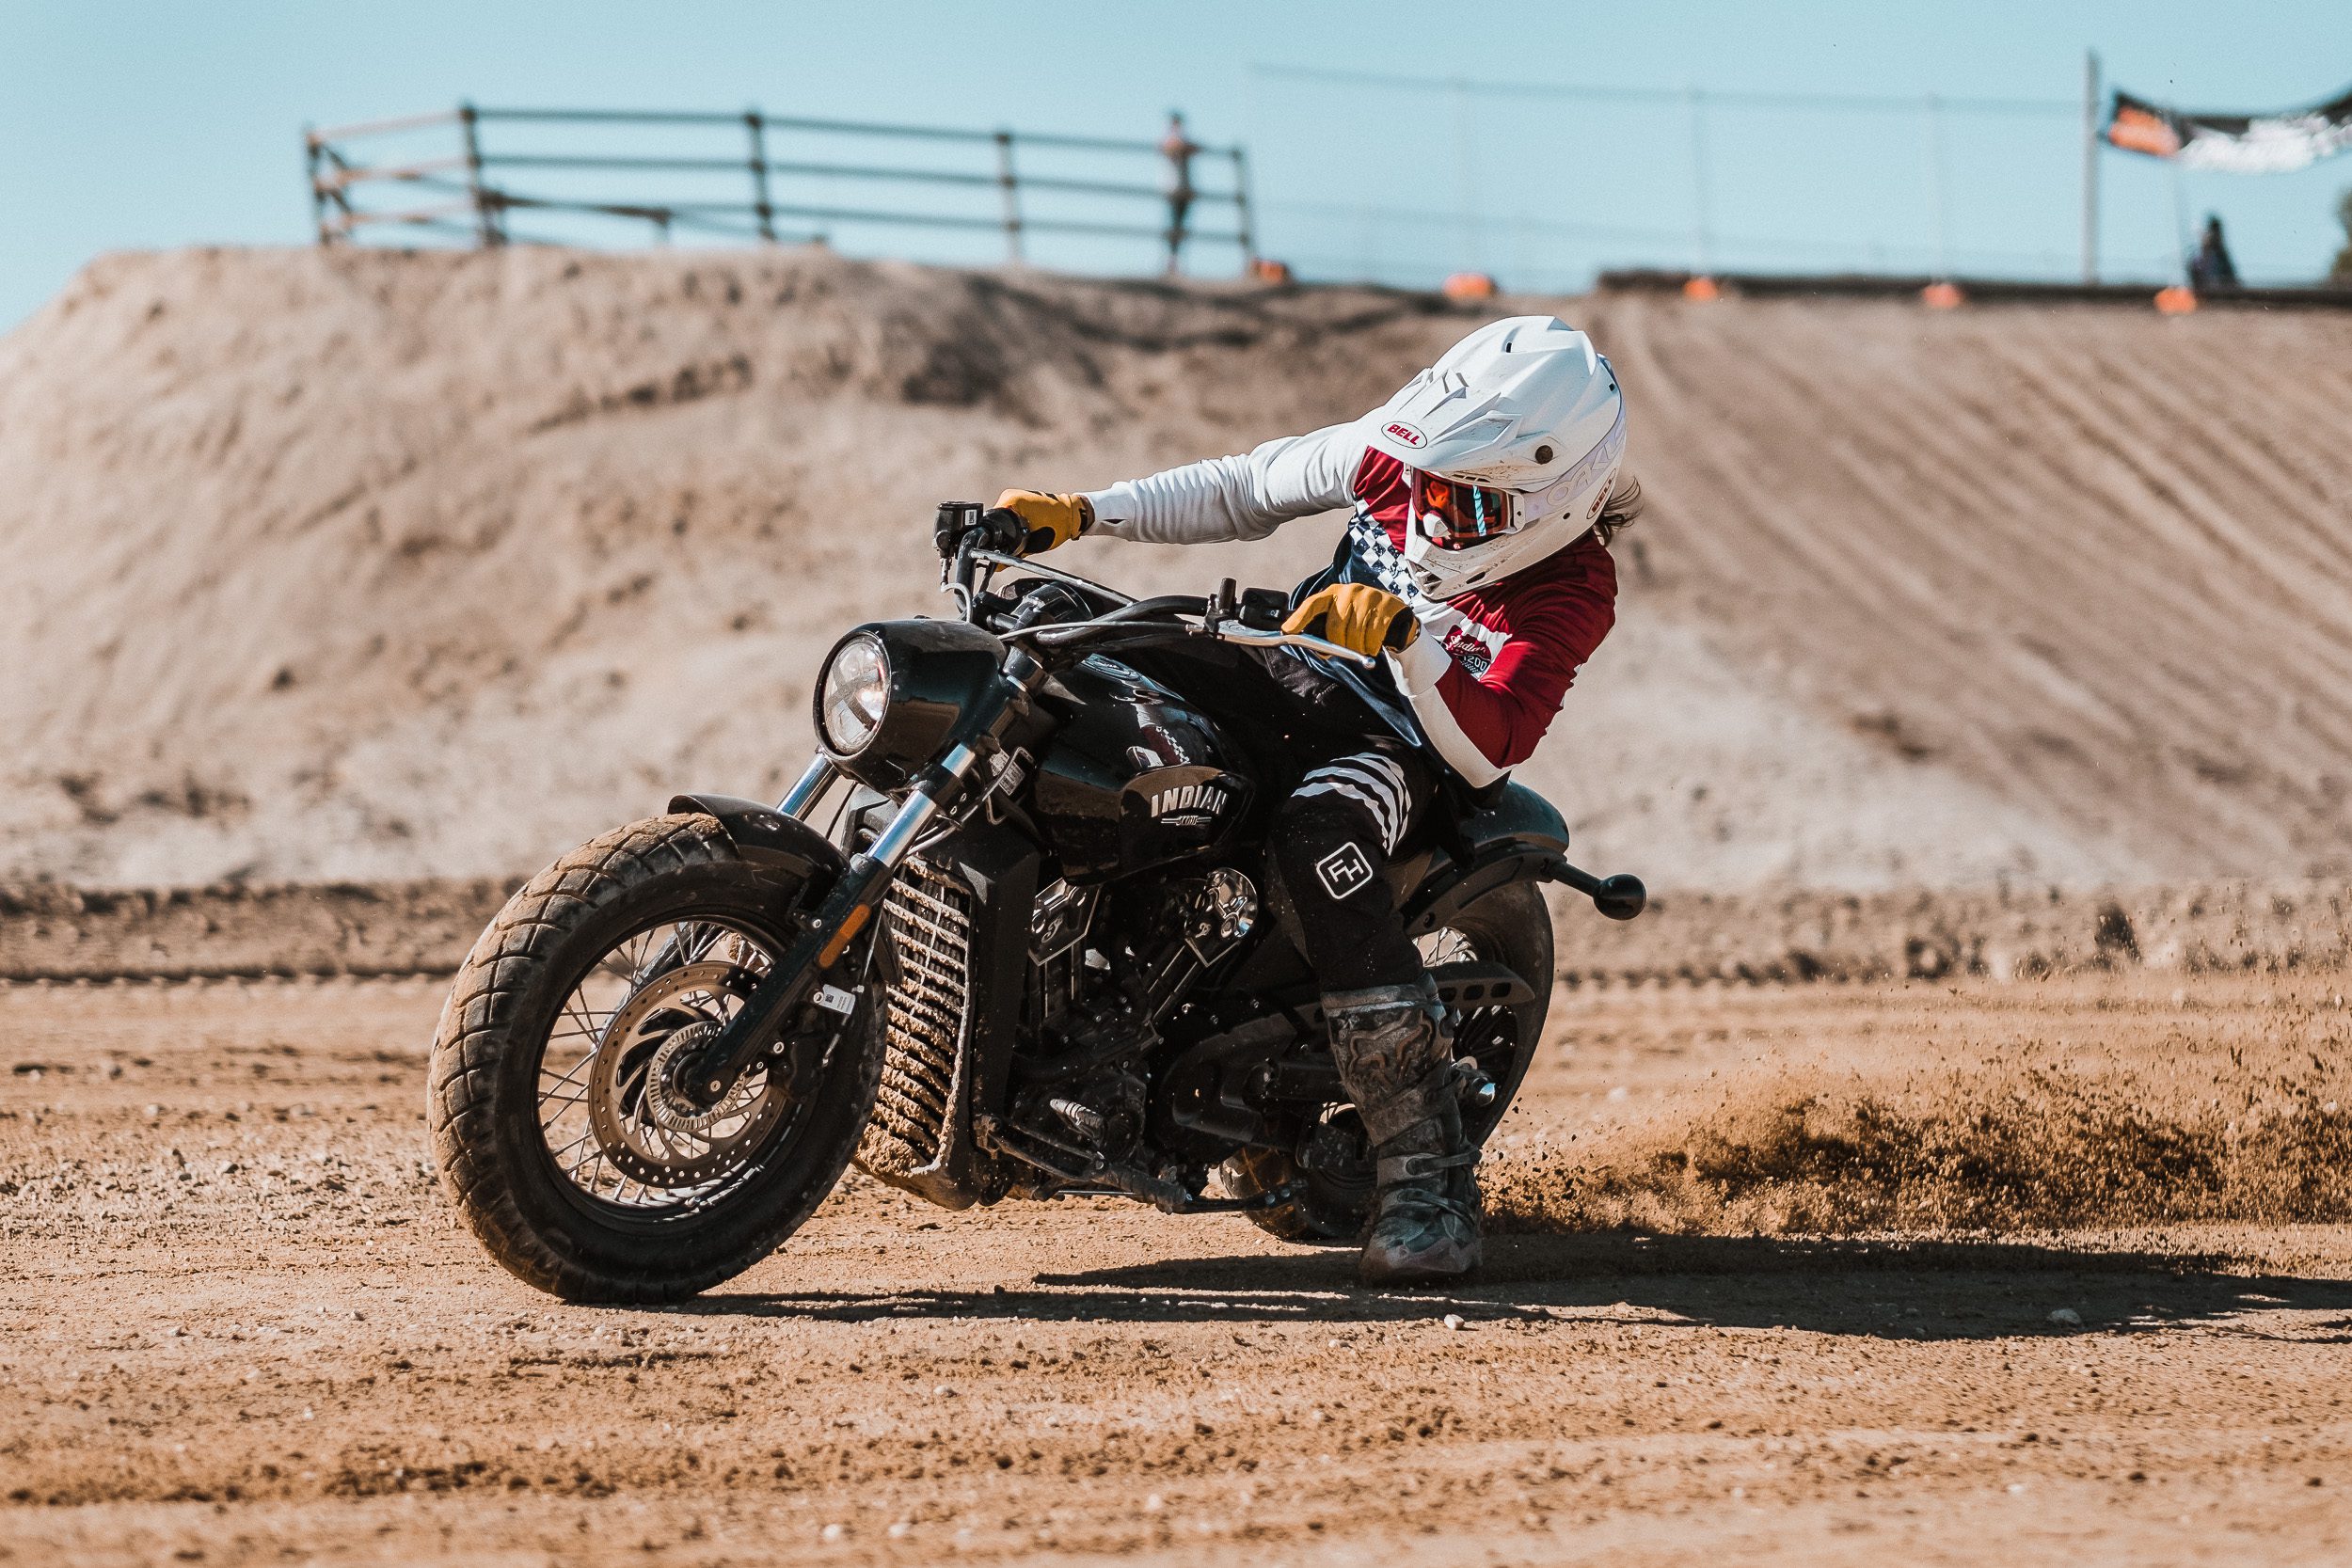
[{"x": 1008, "y": 533}]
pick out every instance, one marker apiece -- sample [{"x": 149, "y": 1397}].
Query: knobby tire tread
[{"x": 510, "y": 964}]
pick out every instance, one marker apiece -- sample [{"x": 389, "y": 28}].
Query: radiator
[{"x": 927, "y": 1026}]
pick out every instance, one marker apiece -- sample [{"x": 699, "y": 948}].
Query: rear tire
[
  {"x": 1511, "y": 927},
  {"x": 485, "y": 1098}
]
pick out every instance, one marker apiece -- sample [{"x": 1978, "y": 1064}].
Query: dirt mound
[{"x": 361, "y": 565}]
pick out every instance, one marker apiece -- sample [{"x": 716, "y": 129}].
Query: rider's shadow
[{"x": 1881, "y": 1289}]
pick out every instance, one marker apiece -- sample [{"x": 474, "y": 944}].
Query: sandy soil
[
  {"x": 238, "y": 1325},
  {"x": 365, "y": 565}
]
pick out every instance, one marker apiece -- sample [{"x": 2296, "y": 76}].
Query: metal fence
[
  {"x": 1408, "y": 177},
  {"x": 490, "y": 177}
]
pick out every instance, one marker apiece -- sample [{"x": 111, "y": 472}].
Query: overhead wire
[{"x": 1741, "y": 97}]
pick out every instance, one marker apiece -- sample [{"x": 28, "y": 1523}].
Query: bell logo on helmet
[{"x": 1405, "y": 435}]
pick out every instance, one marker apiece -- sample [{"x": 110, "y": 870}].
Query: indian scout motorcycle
[{"x": 1041, "y": 951}]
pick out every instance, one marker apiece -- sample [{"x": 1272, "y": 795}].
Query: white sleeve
[
  {"x": 1235, "y": 498},
  {"x": 1417, "y": 670}
]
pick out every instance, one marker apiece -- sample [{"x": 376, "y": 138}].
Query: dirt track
[{"x": 237, "y": 1323}]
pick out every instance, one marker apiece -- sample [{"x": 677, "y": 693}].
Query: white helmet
[{"x": 1512, "y": 442}]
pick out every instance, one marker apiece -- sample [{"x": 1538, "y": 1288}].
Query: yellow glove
[
  {"x": 1050, "y": 520},
  {"x": 1357, "y": 616}
]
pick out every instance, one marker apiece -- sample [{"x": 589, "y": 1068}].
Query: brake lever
[
  {"x": 1292, "y": 640},
  {"x": 1038, "y": 568}
]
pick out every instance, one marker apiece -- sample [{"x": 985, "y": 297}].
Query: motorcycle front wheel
[{"x": 554, "y": 1099}]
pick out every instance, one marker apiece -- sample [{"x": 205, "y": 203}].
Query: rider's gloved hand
[
  {"x": 1048, "y": 520},
  {"x": 1357, "y": 616}
]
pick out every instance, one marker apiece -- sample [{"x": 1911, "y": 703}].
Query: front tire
[{"x": 584, "y": 1182}]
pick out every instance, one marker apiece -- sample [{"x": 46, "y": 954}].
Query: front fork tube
[
  {"x": 848, "y": 910},
  {"x": 801, "y": 799},
  {"x": 759, "y": 1029}
]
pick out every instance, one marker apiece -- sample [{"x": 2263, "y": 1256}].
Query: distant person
[
  {"x": 1178, "y": 148},
  {"x": 2211, "y": 267},
  {"x": 1476, "y": 570}
]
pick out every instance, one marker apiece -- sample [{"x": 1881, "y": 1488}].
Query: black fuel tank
[{"x": 1135, "y": 777}]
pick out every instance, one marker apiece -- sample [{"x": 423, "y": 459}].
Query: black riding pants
[{"x": 1333, "y": 840}]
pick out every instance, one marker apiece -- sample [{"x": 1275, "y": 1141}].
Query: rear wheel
[
  {"x": 1330, "y": 1167},
  {"x": 560, "y": 1110}
]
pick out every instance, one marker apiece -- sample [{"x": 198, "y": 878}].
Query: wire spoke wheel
[
  {"x": 614, "y": 1111},
  {"x": 575, "y": 1112},
  {"x": 1490, "y": 1036}
]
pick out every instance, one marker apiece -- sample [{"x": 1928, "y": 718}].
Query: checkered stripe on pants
[{"x": 1374, "y": 783}]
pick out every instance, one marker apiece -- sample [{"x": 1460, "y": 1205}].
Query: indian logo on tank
[
  {"x": 1405, "y": 436},
  {"x": 1191, "y": 805}
]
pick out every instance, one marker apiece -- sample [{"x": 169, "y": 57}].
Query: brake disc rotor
[{"x": 643, "y": 1120}]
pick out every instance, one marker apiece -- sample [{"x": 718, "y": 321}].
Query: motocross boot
[{"x": 1395, "y": 1051}]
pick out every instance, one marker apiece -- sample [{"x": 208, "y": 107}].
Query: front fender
[{"x": 775, "y": 845}]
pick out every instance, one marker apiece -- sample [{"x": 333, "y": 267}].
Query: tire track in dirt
[{"x": 237, "y": 1320}]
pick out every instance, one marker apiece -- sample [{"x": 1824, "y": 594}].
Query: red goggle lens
[{"x": 1453, "y": 516}]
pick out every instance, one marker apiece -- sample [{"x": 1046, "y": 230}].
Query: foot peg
[{"x": 1472, "y": 1087}]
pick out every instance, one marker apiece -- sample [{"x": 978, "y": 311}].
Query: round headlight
[{"x": 856, "y": 692}]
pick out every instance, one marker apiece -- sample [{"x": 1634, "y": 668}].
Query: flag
[{"x": 2232, "y": 144}]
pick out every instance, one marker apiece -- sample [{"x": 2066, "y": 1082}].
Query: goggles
[{"x": 1453, "y": 516}]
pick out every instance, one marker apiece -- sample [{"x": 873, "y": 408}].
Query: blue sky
[{"x": 140, "y": 123}]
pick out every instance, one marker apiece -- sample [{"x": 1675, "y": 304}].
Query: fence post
[
  {"x": 1939, "y": 203},
  {"x": 766, "y": 213},
  {"x": 1703, "y": 259},
  {"x": 1009, "y": 189},
  {"x": 487, "y": 230},
  {"x": 2091, "y": 166},
  {"x": 1241, "y": 211},
  {"x": 318, "y": 196}
]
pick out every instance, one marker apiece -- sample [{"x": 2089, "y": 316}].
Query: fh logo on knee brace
[{"x": 1344, "y": 870}]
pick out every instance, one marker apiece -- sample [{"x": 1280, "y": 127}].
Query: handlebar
[
  {"x": 976, "y": 552},
  {"x": 973, "y": 549}
]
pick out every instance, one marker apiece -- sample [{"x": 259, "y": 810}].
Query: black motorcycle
[{"x": 1041, "y": 950}]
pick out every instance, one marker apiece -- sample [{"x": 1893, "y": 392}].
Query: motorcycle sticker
[
  {"x": 1194, "y": 797},
  {"x": 1191, "y": 805}
]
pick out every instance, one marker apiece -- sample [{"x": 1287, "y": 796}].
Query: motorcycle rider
[{"x": 1475, "y": 565}]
